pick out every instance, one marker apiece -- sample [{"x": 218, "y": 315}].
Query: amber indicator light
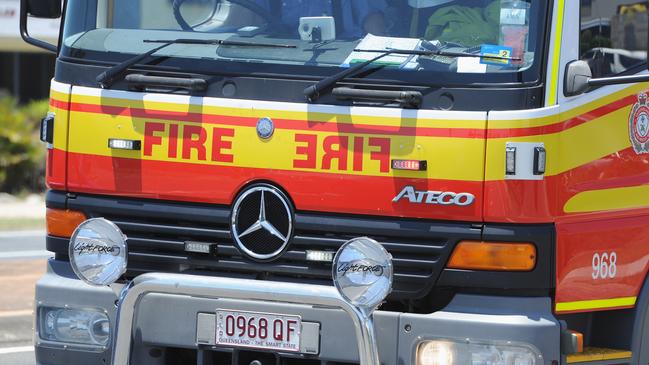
[
  {"x": 63, "y": 222},
  {"x": 493, "y": 256}
]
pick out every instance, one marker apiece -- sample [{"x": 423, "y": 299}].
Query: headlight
[
  {"x": 444, "y": 352},
  {"x": 74, "y": 326},
  {"x": 98, "y": 252}
]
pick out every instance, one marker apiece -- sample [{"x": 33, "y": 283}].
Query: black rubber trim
[
  {"x": 144, "y": 83},
  {"x": 58, "y": 245},
  {"x": 56, "y": 200},
  {"x": 64, "y": 356}
]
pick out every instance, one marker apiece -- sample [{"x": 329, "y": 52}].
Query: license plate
[{"x": 258, "y": 330}]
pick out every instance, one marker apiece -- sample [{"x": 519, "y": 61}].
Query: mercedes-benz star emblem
[
  {"x": 265, "y": 128},
  {"x": 262, "y": 222}
]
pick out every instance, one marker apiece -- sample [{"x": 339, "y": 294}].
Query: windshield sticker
[
  {"x": 488, "y": 51},
  {"x": 470, "y": 65},
  {"x": 513, "y": 16}
]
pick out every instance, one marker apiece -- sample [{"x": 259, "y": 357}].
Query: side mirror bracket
[{"x": 50, "y": 9}]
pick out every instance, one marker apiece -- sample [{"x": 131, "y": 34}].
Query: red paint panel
[
  {"x": 515, "y": 201},
  {"x": 578, "y": 242},
  {"x": 55, "y": 169},
  {"x": 310, "y": 191},
  {"x": 543, "y": 201}
]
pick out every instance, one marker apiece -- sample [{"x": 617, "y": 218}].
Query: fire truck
[{"x": 296, "y": 182}]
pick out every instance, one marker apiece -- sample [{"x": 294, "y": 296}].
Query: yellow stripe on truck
[
  {"x": 61, "y": 120},
  {"x": 595, "y": 304},
  {"x": 556, "y": 55},
  {"x": 598, "y": 354},
  {"x": 608, "y": 199}
]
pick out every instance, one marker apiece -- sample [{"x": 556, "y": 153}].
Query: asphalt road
[{"x": 22, "y": 262}]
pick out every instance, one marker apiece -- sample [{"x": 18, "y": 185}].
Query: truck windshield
[{"x": 326, "y": 34}]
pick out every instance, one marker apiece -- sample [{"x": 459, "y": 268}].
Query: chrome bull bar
[{"x": 242, "y": 289}]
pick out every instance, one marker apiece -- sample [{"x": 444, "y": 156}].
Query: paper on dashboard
[{"x": 384, "y": 43}]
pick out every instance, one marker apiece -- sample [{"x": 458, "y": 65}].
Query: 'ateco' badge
[{"x": 639, "y": 125}]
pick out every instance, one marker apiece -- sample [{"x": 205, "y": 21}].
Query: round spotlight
[
  {"x": 362, "y": 272},
  {"x": 98, "y": 252}
]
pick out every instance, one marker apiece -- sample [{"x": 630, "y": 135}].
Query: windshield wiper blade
[
  {"x": 220, "y": 42},
  {"x": 107, "y": 78}
]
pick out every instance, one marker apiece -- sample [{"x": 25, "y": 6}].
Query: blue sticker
[{"x": 501, "y": 55}]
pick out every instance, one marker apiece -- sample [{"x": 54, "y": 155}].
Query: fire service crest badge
[{"x": 639, "y": 125}]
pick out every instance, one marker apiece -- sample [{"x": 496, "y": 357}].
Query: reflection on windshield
[{"x": 324, "y": 32}]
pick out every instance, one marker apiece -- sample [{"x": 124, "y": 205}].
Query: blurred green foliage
[{"x": 22, "y": 155}]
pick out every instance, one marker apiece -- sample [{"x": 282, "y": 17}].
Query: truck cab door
[{"x": 602, "y": 191}]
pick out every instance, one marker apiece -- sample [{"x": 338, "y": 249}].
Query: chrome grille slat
[
  {"x": 172, "y": 230},
  {"x": 164, "y": 244},
  {"x": 227, "y": 264},
  {"x": 326, "y": 242}
]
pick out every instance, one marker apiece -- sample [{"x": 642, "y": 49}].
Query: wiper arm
[
  {"x": 107, "y": 78},
  {"x": 314, "y": 91}
]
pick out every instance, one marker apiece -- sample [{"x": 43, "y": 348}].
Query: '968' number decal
[{"x": 604, "y": 265}]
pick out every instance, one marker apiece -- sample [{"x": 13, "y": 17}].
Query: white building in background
[{"x": 25, "y": 71}]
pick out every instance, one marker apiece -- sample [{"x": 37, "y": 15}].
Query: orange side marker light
[
  {"x": 493, "y": 256},
  {"x": 62, "y": 222}
]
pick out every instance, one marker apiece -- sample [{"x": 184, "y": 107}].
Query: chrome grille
[{"x": 157, "y": 232}]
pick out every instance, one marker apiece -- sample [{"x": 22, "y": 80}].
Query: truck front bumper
[{"x": 158, "y": 316}]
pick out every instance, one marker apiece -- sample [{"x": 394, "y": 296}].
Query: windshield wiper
[
  {"x": 107, "y": 78},
  {"x": 316, "y": 90}
]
